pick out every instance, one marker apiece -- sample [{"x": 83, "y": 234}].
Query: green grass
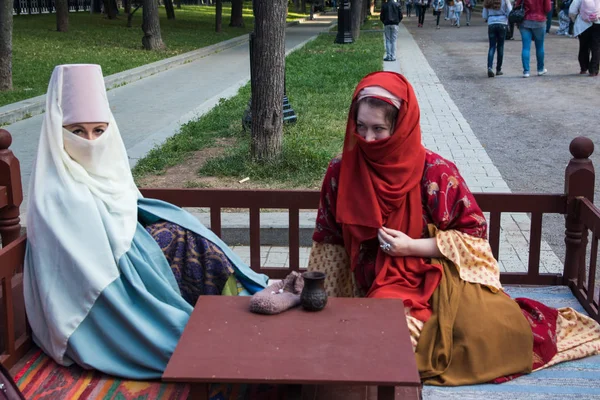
[
  {"x": 320, "y": 80},
  {"x": 37, "y": 47}
]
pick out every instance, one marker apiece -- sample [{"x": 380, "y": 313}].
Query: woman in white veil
[{"x": 110, "y": 277}]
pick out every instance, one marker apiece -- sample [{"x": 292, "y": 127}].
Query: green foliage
[
  {"x": 92, "y": 38},
  {"x": 320, "y": 80}
]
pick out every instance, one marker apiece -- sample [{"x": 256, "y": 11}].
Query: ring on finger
[{"x": 385, "y": 246}]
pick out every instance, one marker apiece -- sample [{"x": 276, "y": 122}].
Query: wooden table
[{"x": 351, "y": 342}]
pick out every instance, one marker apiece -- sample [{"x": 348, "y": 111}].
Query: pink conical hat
[{"x": 83, "y": 94}]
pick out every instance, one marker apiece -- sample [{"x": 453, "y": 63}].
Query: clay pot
[{"x": 313, "y": 296}]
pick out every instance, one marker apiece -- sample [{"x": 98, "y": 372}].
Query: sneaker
[
  {"x": 490, "y": 73},
  {"x": 437, "y": 27},
  {"x": 583, "y": 72},
  {"x": 467, "y": 23},
  {"x": 593, "y": 74},
  {"x": 387, "y": 59},
  {"x": 392, "y": 59},
  {"x": 498, "y": 73},
  {"x": 544, "y": 72},
  {"x": 526, "y": 74}
]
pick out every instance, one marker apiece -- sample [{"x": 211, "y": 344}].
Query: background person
[
  {"x": 586, "y": 14},
  {"x": 533, "y": 28},
  {"x": 391, "y": 15},
  {"x": 495, "y": 12}
]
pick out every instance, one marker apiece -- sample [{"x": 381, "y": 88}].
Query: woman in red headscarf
[{"x": 398, "y": 221}]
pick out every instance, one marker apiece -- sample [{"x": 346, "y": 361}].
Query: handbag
[{"x": 517, "y": 15}]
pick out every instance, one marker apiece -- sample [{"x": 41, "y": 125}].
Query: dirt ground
[
  {"x": 525, "y": 125},
  {"x": 186, "y": 175}
]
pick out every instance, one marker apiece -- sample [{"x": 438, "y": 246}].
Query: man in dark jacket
[{"x": 391, "y": 15}]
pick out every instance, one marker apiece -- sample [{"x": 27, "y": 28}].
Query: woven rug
[
  {"x": 578, "y": 379},
  {"x": 42, "y": 378}
]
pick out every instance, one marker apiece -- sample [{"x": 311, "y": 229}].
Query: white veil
[{"x": 81, "y": 215}]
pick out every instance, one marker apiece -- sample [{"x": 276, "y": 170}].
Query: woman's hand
[{"x": 402, "y": 245}]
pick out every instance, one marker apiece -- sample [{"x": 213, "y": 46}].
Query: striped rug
[
  {"x": 42, "y": 378},
  {"x": 578, "y": 379}
]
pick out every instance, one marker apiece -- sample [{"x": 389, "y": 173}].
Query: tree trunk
[
  {"x": 267, "y": 78},
  {"x": 178, "y": 2},
  {"x": 6, "y": 27},
  {"x": 297, "y": 5},
  {"x": 169, "y": 8},
  {"x": 127, "y": 6},
  {"x": 96, "y": 6},
  {"x": 303, "y": 7},
  {"x": 218, "y": 15},
  {"x": 152, "y": 39},
  {"x": 356, "y": 14},
  {"x": 236, "y": 14},
  {"x": 62, "y": 15},
  {"x": 109, "y": 9}
]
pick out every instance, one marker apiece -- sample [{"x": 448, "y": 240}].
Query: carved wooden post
[
  {"x": 579, "y": 182},
  {"x": 10, "y": 177}
]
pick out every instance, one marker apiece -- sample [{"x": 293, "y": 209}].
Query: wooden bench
[{"x": 576, "y": 204}]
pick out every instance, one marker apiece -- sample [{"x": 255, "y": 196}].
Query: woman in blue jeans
[
  {"x": 533, "y": 28},
  {"x": 495, "y": 12}
]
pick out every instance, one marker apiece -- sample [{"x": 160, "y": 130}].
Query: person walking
[
  {"x": 533, "y": 28},
  {"x": 469, "y": 4},
  {"x": 586, "y": 14},
  {"x": 438, "y": 7},
  {"x": 421, "y": 6},
  {"x": 409, "y": 4},
  {"x": 458, "y": 9},
  {"x": 495, "y": 12},
  {"x": 563, "y": 19},
  {"x": 391, "y": 15}
]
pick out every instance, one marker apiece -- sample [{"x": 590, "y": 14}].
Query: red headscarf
[{"x": 380, "y": 186}]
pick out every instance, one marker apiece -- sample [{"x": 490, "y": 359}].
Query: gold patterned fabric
[{"x": 471, "y": 255}]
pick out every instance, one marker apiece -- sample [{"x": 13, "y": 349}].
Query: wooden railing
[
  {"x": 13, "y": 325},
  {"x": 15, "y": 337},
  {"x": 585, "y": 285},
  {"x": 575, "y": 203}
]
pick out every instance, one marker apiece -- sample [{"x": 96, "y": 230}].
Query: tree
[
  {"x": 62, "y": 15},
  {"x": 110, "y": 8},
  {"x": 237, "y": 19},
  {"x": 218, "y": 15},
  {"x": 6, "y": 24},
  {"x": 267, "y": 78},
  {"x": 356, "y": 7},
  {"x": 169, "y": 8},
  {"x": 152, "y": 39}
]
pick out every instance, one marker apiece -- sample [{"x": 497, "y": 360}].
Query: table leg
[
  {"x": 198, "y": 391},
  {"x": 386, "y": 392}
]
